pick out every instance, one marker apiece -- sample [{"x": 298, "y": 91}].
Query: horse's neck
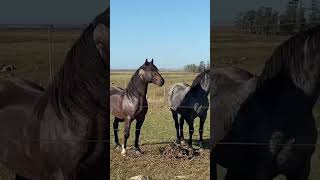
[
  {"x": 198, "y": 92},
  {"x": 137, "y": 85}
]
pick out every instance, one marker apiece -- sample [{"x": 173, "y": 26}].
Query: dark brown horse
[
  {"x": 47, "y": 134},
  {"x": 131, "y": 103}
]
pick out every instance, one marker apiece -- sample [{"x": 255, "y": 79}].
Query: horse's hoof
[
  {"x": 190, "y": 148},
  {"x": 123, "y": 152},
  {"x": 138, "y": 152},
  {"x": 177, "y": 142},
  {"x": 183, "y": 142},
  {"x": 118, "y": 146}
]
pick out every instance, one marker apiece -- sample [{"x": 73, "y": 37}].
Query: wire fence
[
  {"x": 46, "y": 41},
  {"x": 267, "y": 25}
]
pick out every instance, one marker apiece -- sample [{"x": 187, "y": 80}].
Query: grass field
[
  {"x": 250, "y": 51},
  {"x": 28, "y": 50},
  {"x": 158, "y": 131}
]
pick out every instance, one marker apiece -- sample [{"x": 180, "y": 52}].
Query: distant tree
[
  {"x": 238, "y": 21},
  {"x": 249, "y": 19},
  {"x": 201, "y": 66},
  {"x": 197, "y": 68},
  {"x": 294, "y": 18},
  {"x": 314, "y": 15}
]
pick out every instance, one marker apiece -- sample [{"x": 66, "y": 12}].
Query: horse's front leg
[
  {"x": 302, "y": 173},
  {"x": 202, "y": 121},
  {"x": 191, "y": 131},
  {"x": 139, "y": 123},
  {"x": 176, "y": 124},
  {"x": 127, "y": 125}
]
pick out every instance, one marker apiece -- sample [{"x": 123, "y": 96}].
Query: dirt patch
[{"x": 179, "y": 151}]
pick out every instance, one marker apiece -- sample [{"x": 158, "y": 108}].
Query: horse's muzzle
[{"x": 161, "y": 82}]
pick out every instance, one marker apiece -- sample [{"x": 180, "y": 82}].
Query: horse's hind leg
[
  {"x": 202, "y": 121},
  {"x": 176, "y": 124},
  {"x": 115, "y": 131},
  {"x": 127, "y": 125},
  {"x": 181, "y": 136}
]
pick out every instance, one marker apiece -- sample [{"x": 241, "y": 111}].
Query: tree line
[
  {"x": 268, "y": 21},
  {"x": 202, "y": 66}
]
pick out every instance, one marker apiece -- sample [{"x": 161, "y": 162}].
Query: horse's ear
[
  {"x": 152, "y": 61},
  {"x": 101, "y": 39},
  {"x": 146, "y": 61}
]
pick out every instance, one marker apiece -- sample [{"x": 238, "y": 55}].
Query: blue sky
[{"x": 172, "y": 32}]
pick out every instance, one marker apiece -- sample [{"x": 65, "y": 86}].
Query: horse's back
[
  {"x": 227, "y": 101},
  {"x": 176, "y": 94},
  {"x": 19, "y": 91},
  {"x": 235, "y": 73}
]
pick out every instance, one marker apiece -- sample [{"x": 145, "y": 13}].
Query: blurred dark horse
[
  {"x": 264, "y": 127},
  {"x": 53, "y": 134},
  {"x": 131, "y": 103},
  {"x": 190, "y": 102}
]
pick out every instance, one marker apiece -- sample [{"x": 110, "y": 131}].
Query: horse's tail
[
  {"x": 115, "y": 90},
  {"x": 170, "y": 94}
]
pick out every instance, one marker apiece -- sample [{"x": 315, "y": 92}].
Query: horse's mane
[
  {"x": 133, "y": 84},
  {"x": 197, "y": 80},
  {"x": 294, "y": 61},
  {"x": 81, "y": 82}
]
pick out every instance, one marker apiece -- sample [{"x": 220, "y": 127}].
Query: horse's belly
[{"x": 115, "y": 107}]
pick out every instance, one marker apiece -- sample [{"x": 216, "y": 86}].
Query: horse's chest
[{"x": 134, "y": 106}]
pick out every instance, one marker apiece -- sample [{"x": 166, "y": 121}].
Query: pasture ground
[
  {"x": 250, "y": 51},
  {"x": 158, "y": 131}
]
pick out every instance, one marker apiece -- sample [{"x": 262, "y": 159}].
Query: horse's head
[{"x": 149, "y": 73}]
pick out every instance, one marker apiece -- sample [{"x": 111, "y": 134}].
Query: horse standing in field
[
  {"x": 265, "y": 127},
  {"x": 131, "y": 103},
  {"x": 46, "y": 134},
  {"x": 190, "y": 102}
]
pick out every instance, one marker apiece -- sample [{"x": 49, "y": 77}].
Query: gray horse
[
  {"x": 190, "y": 102},
  {"x": 131, "y": 103},
  {"x": 265, "y": 127}
]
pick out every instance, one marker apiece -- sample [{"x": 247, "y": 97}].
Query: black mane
[
  {"x": 81, "y": 82},
  {"x": 134, "y": 84},
  {"x": 197, "y": 80},
  {"x": 291, "y": 59}
]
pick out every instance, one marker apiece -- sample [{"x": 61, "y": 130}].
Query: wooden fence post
[
  {"x": 50, "y": 53},
  {"x": 164, "y": 93}
]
